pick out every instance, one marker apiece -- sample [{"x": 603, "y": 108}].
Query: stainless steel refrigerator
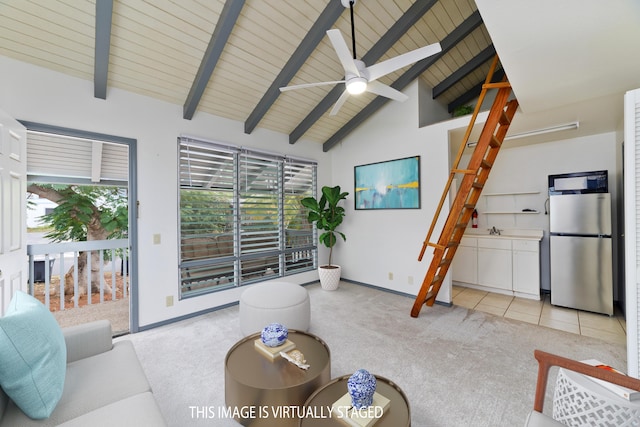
[{"x": 580, "y": 251}]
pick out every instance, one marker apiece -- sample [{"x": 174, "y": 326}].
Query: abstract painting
[{"x": 393, "y": 184}]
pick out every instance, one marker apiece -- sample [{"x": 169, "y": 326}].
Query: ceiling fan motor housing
[{"x": 357, "y": 84}]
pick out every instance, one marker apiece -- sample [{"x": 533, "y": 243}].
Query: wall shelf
[
  {"x": 511, "y": 203},
  {"x": 511, "y": 212},
  {"x": 515, "y": 193}
]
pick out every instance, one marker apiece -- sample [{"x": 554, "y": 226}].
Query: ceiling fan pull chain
[{"x": 353, "y": 31}]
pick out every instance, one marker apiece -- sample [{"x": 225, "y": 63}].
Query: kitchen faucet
[{"x": 493, "y": 231}]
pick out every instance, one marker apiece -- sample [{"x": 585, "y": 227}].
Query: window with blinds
[{"x": 240, "y": 216}]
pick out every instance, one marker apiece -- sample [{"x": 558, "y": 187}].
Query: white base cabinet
[
  {"x": 465, "y": 262},
  {"x": 494, "y": 263},
  {"x": 499, "y": 264}
]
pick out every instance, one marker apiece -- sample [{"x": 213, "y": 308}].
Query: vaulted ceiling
[
  {"x": 229, "y": 57},
  {"x": 567, "y": 61}
]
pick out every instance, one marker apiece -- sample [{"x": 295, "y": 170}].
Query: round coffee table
[
  {"x": 264, "y": 392},
  {"x": 398, "y": 414}
]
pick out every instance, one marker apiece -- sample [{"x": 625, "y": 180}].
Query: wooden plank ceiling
[{"x": 157, "y": 48}]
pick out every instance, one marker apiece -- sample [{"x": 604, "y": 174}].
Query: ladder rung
[
  {"x": 468, "y": 194},
  {"x": 495, "y": 142},
  {"x": 435, "y": 245},
  {"x": 464, "y": 171},
  {"x": 445, "y": 261},
  {"x": 497, "y": 85},
  {"x": 504, "y": 120}
]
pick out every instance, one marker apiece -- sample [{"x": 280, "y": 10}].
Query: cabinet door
[
  {"x": 494, "y": 268},
  {"x": 526, "y": 272},
  {"x": 465, "y": 265}
]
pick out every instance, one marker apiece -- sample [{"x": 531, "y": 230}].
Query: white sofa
[{"x": 105, "y": 385}]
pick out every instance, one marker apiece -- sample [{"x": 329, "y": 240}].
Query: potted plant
[{"x": 327, "y": 216}]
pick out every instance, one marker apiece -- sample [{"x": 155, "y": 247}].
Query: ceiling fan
[{"x": 358, "y": 77}]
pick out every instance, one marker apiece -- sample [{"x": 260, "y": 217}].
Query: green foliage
[
  {"x": 205, "y": 212},
  {"x": 81, "y": 206},
  {"x": 462, "y": 110},
  {"x": 327, "y": 215}
]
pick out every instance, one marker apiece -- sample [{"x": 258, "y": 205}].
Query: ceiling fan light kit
[
  {"x": 358, "y": 77},
  {"x": 356, "y": 85}
]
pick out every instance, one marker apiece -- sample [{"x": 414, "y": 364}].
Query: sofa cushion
[
  {"x": 33, "y": 356},
  {"x": 138, "y": 410},
  {"x": 92, "y": 383}
]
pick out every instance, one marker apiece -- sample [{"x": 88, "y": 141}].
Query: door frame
[{"x": 131, "y": 143}]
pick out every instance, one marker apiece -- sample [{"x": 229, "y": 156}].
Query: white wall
[
  {"x": 389, "y": 241},
  {"x": 34, "y": 94},
  {"x": 526, "y": 169},
  {"x": 380, "y": 242}
]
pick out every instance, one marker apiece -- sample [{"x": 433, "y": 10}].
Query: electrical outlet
[
  {"x": 390, "y": 276},
  {"x": 156, "y": 239},
  {"x": 410, "y": 280},
  {"x": 169, "y": 300}
]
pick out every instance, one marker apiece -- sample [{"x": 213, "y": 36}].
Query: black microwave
[{"x": 579, "y": 183}]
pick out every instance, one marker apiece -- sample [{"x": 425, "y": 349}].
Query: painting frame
[{"x": 389, "y": 184}]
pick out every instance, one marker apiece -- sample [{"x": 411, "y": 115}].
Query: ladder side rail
[
  {"x": 421, "y": 298},
  {"x": 486, "y": 151},
  {"x": 500, "y": 134},
  {"x": 456, "y": 162},
  {"x": 467, "y": 196}
]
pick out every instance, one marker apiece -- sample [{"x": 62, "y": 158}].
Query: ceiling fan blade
[
  {"x": 386, "y": 91},
  {"x": 339, "y": 103},
  {"x": 340, "y": 46},
  {"x": 306, "y": 85},
  {"x": 390, "y": 65}
]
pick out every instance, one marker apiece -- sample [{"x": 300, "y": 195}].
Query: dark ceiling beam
[
  {"x": 473, "y": 93},
  {"x": 397, "y": 30},
  {"x": 104, "y": 12},
  {"x": 327, "y": 18},
  {"x": 226, "y": 22},
  {"x": 453, "y": 38},
  {"x": 463, "y": 71}
]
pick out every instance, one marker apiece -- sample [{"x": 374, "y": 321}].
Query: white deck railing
[{"x": 61, "y": 256}]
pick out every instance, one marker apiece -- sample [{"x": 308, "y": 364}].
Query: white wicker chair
[{"x": 602, "y": 409}]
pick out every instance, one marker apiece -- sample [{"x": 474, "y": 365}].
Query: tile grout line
[{"x": 544, "y": 302}]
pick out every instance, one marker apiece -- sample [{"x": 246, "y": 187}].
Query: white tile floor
[{"x": 612, "y": 329}]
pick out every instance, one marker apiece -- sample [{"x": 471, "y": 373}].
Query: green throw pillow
[{"x": 33, "y": 356}]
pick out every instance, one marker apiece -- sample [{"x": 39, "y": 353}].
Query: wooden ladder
[{"x": 471, "y": 184}]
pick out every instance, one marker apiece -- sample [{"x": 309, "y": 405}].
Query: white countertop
[{"x": 507, "y": 233}]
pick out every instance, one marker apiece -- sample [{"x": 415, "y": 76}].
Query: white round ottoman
[{"x": 280, "y": 302}]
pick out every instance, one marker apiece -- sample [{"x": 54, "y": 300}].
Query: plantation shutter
[
  {"x": 207, "y": 224},
  {"x": 260, "y": 206},
  {"x": 300, "y": 235},
  {"x": 240, "y": 216},
  {"x": 632, "y": 228}
]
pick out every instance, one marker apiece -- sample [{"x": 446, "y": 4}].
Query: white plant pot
[{"x": 329, "y": 277}]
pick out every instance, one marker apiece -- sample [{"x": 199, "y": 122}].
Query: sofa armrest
[{"x": 87, "y": 339}]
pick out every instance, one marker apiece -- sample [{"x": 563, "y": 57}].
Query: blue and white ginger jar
[
  {"x": 274, "y": 335},
  {"x": 361, "y": 386}
]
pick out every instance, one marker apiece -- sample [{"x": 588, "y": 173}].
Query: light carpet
[{"x": 458, "y": 367}]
